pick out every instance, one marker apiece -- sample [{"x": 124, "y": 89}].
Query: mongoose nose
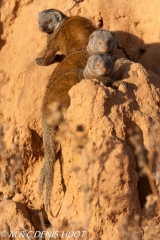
[
  {"x": 41, "y": 29},
  {"x": 103, "y": 46},
  {"x": 104, "y": 70}
]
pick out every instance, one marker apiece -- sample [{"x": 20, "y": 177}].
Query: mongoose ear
[
  {"x": 39, "y": 15},
  {"x": 58, "y": 16},
  {"x": 113, "y": 34},
  {"x": 91, "y": 36}
]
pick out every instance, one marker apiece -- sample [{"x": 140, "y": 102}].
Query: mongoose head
[
  {"x": 99, "y": 65},
  {"x": 49, "y": 20},
  {"x": 101, "y": 41}
]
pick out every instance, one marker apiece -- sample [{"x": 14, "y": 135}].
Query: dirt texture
[
  {"x": 108, "y": 136},
  {"x": 14, "y": 217}
]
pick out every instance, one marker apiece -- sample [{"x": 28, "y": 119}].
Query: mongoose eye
[{"x": 49, "y": 22}]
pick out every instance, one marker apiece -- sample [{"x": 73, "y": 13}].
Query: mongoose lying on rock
[
  {"x": 100, "y": 41},
  {"x": 63, "y": 34},
  {"x": 97, "y": 66}
]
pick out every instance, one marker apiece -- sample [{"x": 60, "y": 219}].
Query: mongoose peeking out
[{"x": 102, "y": 41}]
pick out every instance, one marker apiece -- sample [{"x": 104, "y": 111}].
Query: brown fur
[
  {"x": 58, "y": 92},
  {"x": 75, "y": 60},
  {"x": 71, "y": 36}
]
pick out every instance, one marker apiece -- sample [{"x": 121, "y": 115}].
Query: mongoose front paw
[
  {"x": 120, "y": 85},
  {"x": 39, "y": 61}
]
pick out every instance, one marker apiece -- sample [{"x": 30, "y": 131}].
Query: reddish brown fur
[
  {"x": 75, "y": 60},
  {"x": 73, "y": 35}
]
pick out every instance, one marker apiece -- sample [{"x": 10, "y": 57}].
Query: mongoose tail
[
  {"x": 97, "y": 66},
  {"x": 46, "y": 175}
]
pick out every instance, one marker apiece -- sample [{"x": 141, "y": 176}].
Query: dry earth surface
[{"x": 98, "y": 184}]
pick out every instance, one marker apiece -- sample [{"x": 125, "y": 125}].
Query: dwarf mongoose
[
  {"x": 97, "y": 66},
  {"x": 100, "y": 41},
  {"x": 106, "y": 42},
  {"x": 63, "y": 34},
  {"x": 101, "y": 67}
]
